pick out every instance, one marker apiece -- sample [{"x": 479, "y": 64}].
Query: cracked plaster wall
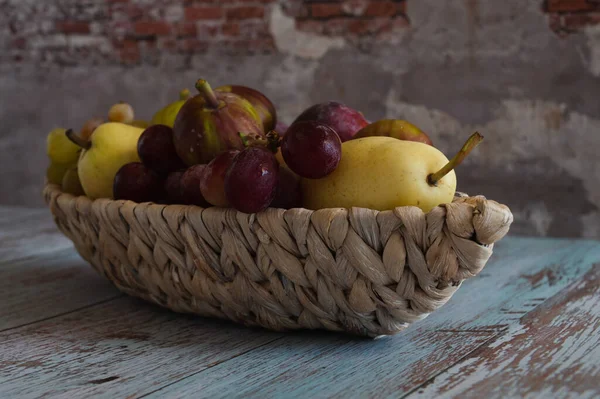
[{"x": 494, "y": 66}]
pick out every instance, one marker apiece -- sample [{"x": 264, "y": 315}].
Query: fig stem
[
  {"x": 207, "y": 92},
  {"x": 76, "y": 139},
  {"x": 469, "y": 145},
  {"x": 271, "y": 141},
  {"x": 184, "y": 94}
]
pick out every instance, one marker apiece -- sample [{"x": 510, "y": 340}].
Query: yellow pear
[
  {"x": 383, "y": 173},
  {"x": 167, "y": 115},
  {"x": 60, "y": 149},
  {"x": 111, "y": 146}
]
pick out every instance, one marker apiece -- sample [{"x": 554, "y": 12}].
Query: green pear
[{"x": 111, "y": 146}]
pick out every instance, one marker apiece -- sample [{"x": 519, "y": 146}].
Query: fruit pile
[{"x": 225, "y": 148}]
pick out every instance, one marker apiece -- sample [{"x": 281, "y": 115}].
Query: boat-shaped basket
[{"x": 356, "y": 270}]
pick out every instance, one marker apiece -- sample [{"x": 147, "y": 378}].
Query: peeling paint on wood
[
  {"x": 528, "y": 324},
  {"x": 553, "y": 352},
  {"x": 306, "y": 365}
]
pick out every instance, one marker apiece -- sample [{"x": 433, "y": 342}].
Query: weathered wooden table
[{"x": 528, "y": 326}]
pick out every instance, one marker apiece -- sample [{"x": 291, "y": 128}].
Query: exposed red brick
[
  {"x": 129, "y": 52},
  {"x": 152, "y": 28},
  {"x": 230, "y": 29},
  {"x": 186, "y": 29},
  {"x": 556, "y": 22},
  {"x": 326, "y": 10},
  {"x": 336, "y": 26},
  {"x": 238, "y": 13},
  {"x": 571, "y": 5},
  {"x": 193, "y": 44},
  {"x": 255, "y": 30},
  {"x": 381, "y": 9},
  {"x": 202, "y": 13},
  {"x": 296, "y": 9},
  {"x": 577, "y": 21},
  {"x": 309, "y": 25},
  {"x": 401, "y": 7},
  {"x": 208, "y": 30},
  {"x": 73, "y": 27},
  {"x": 168, "y": 43}
]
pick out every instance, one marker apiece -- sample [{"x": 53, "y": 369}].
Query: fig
[
  {"x": 210, "y": 122},
  {"x": 264, "y": 106}
]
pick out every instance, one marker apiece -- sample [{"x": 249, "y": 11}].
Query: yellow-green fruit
[
  {"x": 140, "y": 123},
  {"x": 60, "y": 149},
  {"x": 71, "y": 183},
  {"x": 382, "y": 173},
  {"x": 56, "y": 171},
  {"x": 112, "y": 145},
  {"x": 167, "y": 115}
]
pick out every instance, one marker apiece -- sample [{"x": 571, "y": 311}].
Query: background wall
[{"x": 526, "y": 73}]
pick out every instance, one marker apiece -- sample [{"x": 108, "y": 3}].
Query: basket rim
[{"x": 56, "y": 188}]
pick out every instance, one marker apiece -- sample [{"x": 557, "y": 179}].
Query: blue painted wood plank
[
  {"x": 48, "y": 284},
  {"x": 553, "y": 352},
  {"x": 25, "y": 233},
  {"x": 122, "y": 348},
  {"x": 522, "y": 275}
]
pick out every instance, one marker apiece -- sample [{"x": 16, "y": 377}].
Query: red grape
[
  {"x": 212, "y": 184},
  {"x": 173, "y": 188},
  {"x": 311, "y": 149},
  {"x": 136, "y": 182},
  {"x": 251, "y": 181},
  {"x": 190, "y": 186},
  {"x": 157, "y": 151},
  {"x": 289, "y": 193}
]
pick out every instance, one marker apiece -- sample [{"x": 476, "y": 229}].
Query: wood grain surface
[{"x": 526, "y": 327}]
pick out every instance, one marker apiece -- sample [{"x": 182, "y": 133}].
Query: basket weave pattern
[{"x": 359, "y": 271}]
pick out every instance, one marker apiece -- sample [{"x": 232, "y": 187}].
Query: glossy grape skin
[
  {"x": 341, "y": 118},
  {"x": 173, "y": 189},
  {"x": 136, "y": 182},
  {"x": 212, "y": 184},
  {"x": 311, "y": 150},
  {"x": 251, "y": 181},
  {"x": 289, "y": 191},
  {"x": 190, "y": 186},
  {"x": 157, "y": 151},
  {"x": 121, "y": 112}
]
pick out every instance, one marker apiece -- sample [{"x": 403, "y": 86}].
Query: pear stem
[
  {"x": 469, "y": 145},
  {"x": 207, "y": 92},
  {"x": 85, "y": 144},
  {"x": 184, "y": 94}
]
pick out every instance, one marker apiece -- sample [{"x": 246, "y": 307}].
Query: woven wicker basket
[{"x": 359, "y": 271}]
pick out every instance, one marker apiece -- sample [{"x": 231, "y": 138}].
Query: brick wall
[
  {"x": 568, "y": 16},
  {"x": 143, "y": 31}
]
